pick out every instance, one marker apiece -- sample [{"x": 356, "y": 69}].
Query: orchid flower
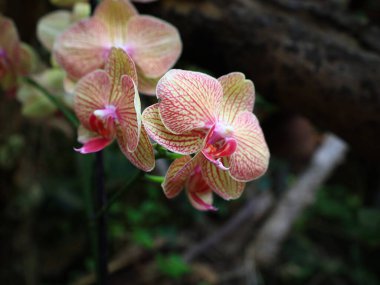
[
  {"x": 107, "y": 104},
  {"x": 50, "y": 26},
  {"x": 154, "y": 45},
  {"x": 16, "y": 58},
  {"x": 213, "y": 118}
]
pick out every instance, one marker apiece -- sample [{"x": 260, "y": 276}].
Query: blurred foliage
[{"x": 334, "y": 242}]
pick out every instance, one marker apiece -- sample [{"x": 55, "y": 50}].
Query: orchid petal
[
  {"x": 147, "y": 85},
  {"x": 238, "y": 95},
  {"x": 28, "y": 60},
  {"x": 251, "y": 158},
  {"x": 9, "y": 40},
  {"x": 201, "y": 201},
  {"x": 82, "y": 48},
  {"x": 188, "y": 100},
  {"x": 120, "y": 63},
  {"x": 221, "y": 181},
  {"x": 177, "y": 174},
  {"x": 92, "y": 93},
  {"x": 115, "y": 16},
  {"x": 186, "y": 143},
  {"x": 154, "y": 44},
  {"x": 94, "y": 145},
  {"x": 198, "y": 191},
  {"x": 143, "y": 156},
  {"x": 52, "y": 25},
  {"x": 128, "y": 105}
]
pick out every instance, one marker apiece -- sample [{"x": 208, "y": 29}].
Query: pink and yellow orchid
[
  {"x": 107, "y": 104},
  {"x": 50, "y": 26},
  {"x": 212, "y": 117},
  {"x": 16, "y": 58},
  {"x": 153, "y": 44}
]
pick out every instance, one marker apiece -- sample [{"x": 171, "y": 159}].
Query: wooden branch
[
  {"x": 255, "y": 208},
  {"x": 269, "y": 239},
  {"x": 310, "y": 59}
]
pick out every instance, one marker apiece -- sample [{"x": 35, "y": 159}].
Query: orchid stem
[
  {"x": 60, "y": 106},
  {"x": 154, "y": 178},
  {"x": 164, "y": 153},
  {"x": 101, "y": 199}
]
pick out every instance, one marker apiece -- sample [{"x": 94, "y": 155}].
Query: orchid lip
[
  {"x": 220, "y": 142},
  {"x": 108, "y": 112},
  {"x": 102, "y": 121}
]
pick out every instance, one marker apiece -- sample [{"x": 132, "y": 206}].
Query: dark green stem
[
  {"x": 154, "y": 178},
  {"x": 101, "y": 199}
]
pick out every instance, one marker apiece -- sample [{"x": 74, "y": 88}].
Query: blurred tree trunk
[{"x": 310, "y": 57}]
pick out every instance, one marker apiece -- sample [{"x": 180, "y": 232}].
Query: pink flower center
[
  {"x": 220, "y": 142},
  {"x": 102, "y": 121}
]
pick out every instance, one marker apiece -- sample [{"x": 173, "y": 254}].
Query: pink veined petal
[
  {"x": 154, "y": 44},
  {"x": 188, "y": 100},
  {"x": 94, "y": 145},
  {"x": 198, "y": 191},
  {"x": 147, "y": 85},
  {"x": 52, "y": 25},
  {"x": 91, "y": 93},
  {"x": 251, "y": 158},
  {"x": 83, "y": 48},
  {"x": 221, "y": 181},
  {"x": 119, "y": 63},
  {"x": 238, "y": 95},
  {"x": 186, "y": 143},
  {"x": 201, "y": 201},
  {"x": 128, "y": 107},
  {"x": 143, "y": 156},
  {"x": 115, "y": 16},
  {"x": 177, "y": 174}
]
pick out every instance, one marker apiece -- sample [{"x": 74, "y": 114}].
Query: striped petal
[
  {"x": 115, "y": 15},
  {"x": 177, "y": 174},
  {"x": 202, "y": 201},
  {"x": 91, "y": 93},
  {"x": 118, "y": 64},
  {"x": 127, "y": 101},
  {"x": 238, "y": 95},
  {"x": 188, "y": 100},
  {"x": 251, "y": 158},
  {"x": 186, "y": 143},
  {"x": 52, "y": 25},
  {"x": 82, "y": 48},
  {"x": 154, "y": 45},
  {"x": 221, "y": 181},
  {"x": 143, "y": 156},
  {"x": 199, "y": 192}
]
